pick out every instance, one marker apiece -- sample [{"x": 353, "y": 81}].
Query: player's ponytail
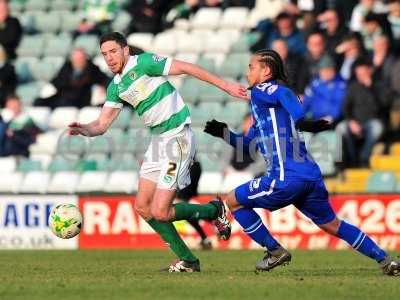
[{"x": 273, "y": 60}]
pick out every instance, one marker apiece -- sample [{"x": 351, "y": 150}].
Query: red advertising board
[{"x": 111, "y": 222}]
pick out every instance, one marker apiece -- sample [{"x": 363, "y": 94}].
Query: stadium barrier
[{"x": 111, "y": 222}]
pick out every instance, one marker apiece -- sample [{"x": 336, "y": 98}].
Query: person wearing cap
[
  {"x": 364, "y": 109},
  {"x": 324, "y": 95}
]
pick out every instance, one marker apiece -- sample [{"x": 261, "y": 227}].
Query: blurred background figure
[
  {"x": 17, "y": 129},
  {"x": 10, "y": 30},
  {"x": 98, "y": 16},
  {"x": 365, "y": 110},
  {"x": 349, "y": 50},
  {"x": 333, "y": 28},
  {"x": 362, "y": 9},
  {"x": 315, "y": 51},
  {"x": 74, "y": 82},
  {"x": 292, "y": 61},
  {"x": 324, "y": 96},
  {"x": 8, "y": 78}
]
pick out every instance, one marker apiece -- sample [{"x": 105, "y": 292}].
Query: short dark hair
[{"x": 114, "y": 36}]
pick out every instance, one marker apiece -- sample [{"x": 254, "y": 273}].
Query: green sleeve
[
  {"x": 154, "y": 65},
  {"x": 112, "y": 98}
]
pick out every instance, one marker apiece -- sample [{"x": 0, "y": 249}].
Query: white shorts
[{"x": 167, "y": 160}]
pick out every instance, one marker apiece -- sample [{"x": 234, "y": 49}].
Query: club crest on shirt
[{"x": 132, "y": 75}]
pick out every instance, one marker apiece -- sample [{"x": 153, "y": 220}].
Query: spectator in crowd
[
  {"x": 324, "y": 96},
  {"x": 394, "y": 22},
  {"x": 147, "y": 15},
  {"x": 74, "y": 82},
  {"x": 181, "y": 11},
  {"x": 333, "y": 29},
  {"x": 373, "y": 27},
  {"x": 392, "y": 134},
  {"x": 382, "y": 59},
  {"x": 17, "y": 129},
  {"x": 285, "y": 29},
  {"x": 293, "y": 62},
  {"x": 315, "y": 51},
  {"x": 98, "y": 16},
  {"x": 8, "y": 78},
  {"x": 346, "y": 8},
  {"x": 362, "y": 9},
  {"x": 243, "y": 3},
  {"x": 394, "y": 76},
  {"x": 350, "y": 49},
  {"x": 10, "y": 30},
  {"x": 363, "y": 110}
]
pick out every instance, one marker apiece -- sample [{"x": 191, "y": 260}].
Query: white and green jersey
[{"x": 142, "y": 84}]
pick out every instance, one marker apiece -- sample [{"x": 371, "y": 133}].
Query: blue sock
[
  {"x": 360, "y": 241},
  {"x": 254, "y": 228}
]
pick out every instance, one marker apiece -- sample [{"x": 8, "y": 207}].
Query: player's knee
[
  {"x": 160, "y": 214},
  {"x": 143, "y": 211},
  {"x": 231, "y": 201}
]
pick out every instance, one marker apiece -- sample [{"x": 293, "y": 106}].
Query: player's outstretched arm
[
  {"x": 97, "y": 127},
  {"x": 234, "y": 89}
]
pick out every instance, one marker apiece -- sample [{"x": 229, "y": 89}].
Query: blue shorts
[{"x": 310, "y": 197}]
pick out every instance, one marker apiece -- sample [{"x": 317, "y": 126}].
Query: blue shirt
[
  {"x": 275, "y": 110},
  {"x": 325, "y": 98}
]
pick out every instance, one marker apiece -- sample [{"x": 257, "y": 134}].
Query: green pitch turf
[{"x": 226, "y": 275}]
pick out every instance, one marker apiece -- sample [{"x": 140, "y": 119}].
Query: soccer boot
[
  {"x": 206, "y": 244},
  {"x": 390, "y": 266},
  {"x": 273, "y": 259},
  {"x": 221, "y": 222},
  {"x": 182, "y": 266}
]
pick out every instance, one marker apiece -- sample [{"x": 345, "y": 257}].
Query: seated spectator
[
  {"x": 315, "y": 51},
  {"x": 293, "y": 62},
  {"x": 74, "y": 82},
  {"x": 382, "y": 59},
  {"x": 243, "y": 3},
  {"x": 392, "y": 134},
  {"x": 333, "y": 29},
  {"x": 147, "y": 15},
  {"x": 285, "y": 29},
  {"x": 394, "y": 76},
  {"x": 350, "y": 49},
  {"x": 17, "y": 129},
  {"x": 98, "y": 17},
  {"x": 373, "y": 26},
  {"x": 394, "y": 23},
  {"x": 10, "y": 30},
  {"x": 8, "y": 78},
  {"x": 324, "y": 97},
  {"x": 180, "y": 11},
  {"x": 346, "y": 8},
  {"x": 362, "y": 9},
  {"x": 363, "y": 110}
]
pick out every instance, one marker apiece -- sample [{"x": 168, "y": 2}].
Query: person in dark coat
[
  {"x": 74, "y": 82},
  {"x": 10, "y": 30}
]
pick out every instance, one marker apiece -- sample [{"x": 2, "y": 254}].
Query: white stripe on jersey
[{"x": 278, "y": 147}]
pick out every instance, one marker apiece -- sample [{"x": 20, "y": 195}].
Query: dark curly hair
[{"x": 273, "y": 60}]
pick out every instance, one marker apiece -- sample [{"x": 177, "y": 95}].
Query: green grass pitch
[{"x": 225, "y": 275}]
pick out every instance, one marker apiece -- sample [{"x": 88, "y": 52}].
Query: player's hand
[
  {"x": 76, "y": 128},
  {"x": 216, "y": 128},
  {"x": 237, "y": 90}
]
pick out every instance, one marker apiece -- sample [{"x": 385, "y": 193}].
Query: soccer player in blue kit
[{"x": 292, "y": 176}]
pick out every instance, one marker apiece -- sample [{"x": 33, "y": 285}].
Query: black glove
[
  {"x": 313, "y": 126},
  {"x": 216, "y": 128}
]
